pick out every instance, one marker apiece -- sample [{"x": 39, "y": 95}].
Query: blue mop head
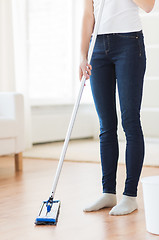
[{"x": 48, "y": 213}]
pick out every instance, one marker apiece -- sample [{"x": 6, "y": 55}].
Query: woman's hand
[{"x": 84, "y": 69}]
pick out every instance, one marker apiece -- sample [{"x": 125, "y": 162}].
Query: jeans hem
[
  {"x": 105, "y": 191},
  {"x": 130, "y": 194}
]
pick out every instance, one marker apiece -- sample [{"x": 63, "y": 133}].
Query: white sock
[
  {"x": 127, "y": 205},
  {"x": 106, "y": 200}
]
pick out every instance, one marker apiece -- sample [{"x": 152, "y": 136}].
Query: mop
[{"x": 49, "y": 210}]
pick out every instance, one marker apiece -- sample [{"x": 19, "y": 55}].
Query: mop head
[{"x": 48, "y": 213}]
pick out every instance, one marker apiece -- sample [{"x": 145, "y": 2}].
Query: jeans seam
[
  {"x": 108, "y": 43},
  {"x": 105, "y": 50},
  {"x": 139, "y": 44},
  {"x": 124, "y": 36}
]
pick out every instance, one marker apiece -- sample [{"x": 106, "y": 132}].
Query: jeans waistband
[{"x": 140, "y": 32}]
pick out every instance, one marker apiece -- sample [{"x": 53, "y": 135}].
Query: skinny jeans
[{"x": 119, "y": 59}]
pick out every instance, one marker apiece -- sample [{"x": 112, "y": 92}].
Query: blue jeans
[{"x": 119, "y": 58}]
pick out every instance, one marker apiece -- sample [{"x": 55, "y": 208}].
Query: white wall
[{"x": 51, "y": 123}]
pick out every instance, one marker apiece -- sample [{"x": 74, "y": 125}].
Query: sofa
[{"x": 12, "y": 126}]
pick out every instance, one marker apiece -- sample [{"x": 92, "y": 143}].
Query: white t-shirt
[{"x": 118, "y": 16}]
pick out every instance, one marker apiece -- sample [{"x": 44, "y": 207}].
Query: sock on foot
[
  {"x": 106, "y": 200},
  {"x": 127, "y": 205}
]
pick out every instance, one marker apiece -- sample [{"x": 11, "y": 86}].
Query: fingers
[
  {"x": 85, "y": 69},
  {"x": 89, "y": 65},
  {"x": 88, "y": 70}
]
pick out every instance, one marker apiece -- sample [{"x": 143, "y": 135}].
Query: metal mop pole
[{"x": 76, "y": 106}]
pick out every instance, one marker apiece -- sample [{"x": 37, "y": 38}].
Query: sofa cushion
[{"x": 8, "y": 127}]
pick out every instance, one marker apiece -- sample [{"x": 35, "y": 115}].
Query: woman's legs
[
  {"x": 130, "y": 69},
  {"x": 122, "y": 55},
  {"x": 103, "y": 85},
  {"x": 130, "y": 74}
]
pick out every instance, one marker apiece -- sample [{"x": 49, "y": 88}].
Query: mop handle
[{"x": 76, "y": 106}]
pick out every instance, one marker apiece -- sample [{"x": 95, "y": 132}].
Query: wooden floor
[{"x": 21, "y": 195}]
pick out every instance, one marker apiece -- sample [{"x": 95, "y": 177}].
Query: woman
[{"x": 118, "y": 58}]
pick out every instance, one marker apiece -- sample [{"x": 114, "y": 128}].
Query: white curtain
[
  {"x": 13, "y": 55},
  {"x": 7, "y": 74}
]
